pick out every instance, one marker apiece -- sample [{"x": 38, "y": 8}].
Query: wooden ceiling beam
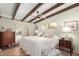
[
  {"x": 16, "y": 9},
  {"x": 33, "y": 10},
  {"x": 58, "y": 12},
  {"x": 48, "y": 10},
  {"x": 0, "y": 16}
]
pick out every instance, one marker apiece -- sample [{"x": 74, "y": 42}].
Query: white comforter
[{"x": 34, "y": 45}]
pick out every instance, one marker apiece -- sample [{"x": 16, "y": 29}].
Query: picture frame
[{"x": 73, "y": 25}]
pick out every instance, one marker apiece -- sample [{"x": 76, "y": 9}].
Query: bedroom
[{"x": 38, "y": 21}]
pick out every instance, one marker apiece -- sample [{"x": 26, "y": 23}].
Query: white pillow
[
  {"x": 45, "y": 35},
  {"x": 40, "y": 34}
]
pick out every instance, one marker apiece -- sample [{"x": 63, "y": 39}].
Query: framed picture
[{"x": 73, "y": 25}]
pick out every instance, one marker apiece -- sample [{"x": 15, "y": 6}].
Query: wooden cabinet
[
  {"x": 66, "y": 44},
  {"x": 7, "y": 38}
]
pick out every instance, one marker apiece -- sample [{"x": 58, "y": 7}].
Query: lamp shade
[
  {"x": 66, "y": 29},
  {"x": 36, "y": 31}
]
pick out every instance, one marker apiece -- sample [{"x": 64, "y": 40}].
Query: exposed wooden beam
[
  {"x": 16, "y": 9},
  {"x": 0, "y": 16},
  {"x": 58, "y": 12},
  {"x": 33, "y": 10},
  {"x": 51, "y": 8}
]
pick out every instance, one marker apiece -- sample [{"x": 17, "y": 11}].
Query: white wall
[
  {"x": 8, "y": 23},
  {"x": 70, "y": 15},
  {"x": 26, "y": 26}
]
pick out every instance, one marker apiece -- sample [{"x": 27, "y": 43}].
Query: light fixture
[
  {"x": 36, "y": 31},
  {"x": 66, "y": 29},
  {"x": 53, "y": 24}
]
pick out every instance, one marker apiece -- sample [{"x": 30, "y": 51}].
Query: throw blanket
[{"x": 50, "y": 52}]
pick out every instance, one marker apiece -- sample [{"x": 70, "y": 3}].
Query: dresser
[
  {"x": 66, "y": 45},
  {"x": 7, "y": 38}
]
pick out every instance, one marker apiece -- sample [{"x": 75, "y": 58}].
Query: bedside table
[{"x": 66, "y": 44}]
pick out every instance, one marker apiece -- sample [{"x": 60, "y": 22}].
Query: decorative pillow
[{"x": 40, "y": 34}]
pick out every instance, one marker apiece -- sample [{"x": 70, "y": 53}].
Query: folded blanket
[{"x": 50, "y": 52}]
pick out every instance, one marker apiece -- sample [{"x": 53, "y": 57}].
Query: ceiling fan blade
[
  {"x": 38, "y": 15},
  {"x": 33, "y": 16}
]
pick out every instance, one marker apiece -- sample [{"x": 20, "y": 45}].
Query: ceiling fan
[{"x": 38, "y": 15}]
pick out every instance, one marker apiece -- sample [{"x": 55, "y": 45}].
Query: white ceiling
[
  {"x": 43, "y": 8},
  {"x": 24, "y": 9},
  {"x": 58, "y": 9},
  {"x": 7, "y": 10},
  {"x": 55, "y": 10}
]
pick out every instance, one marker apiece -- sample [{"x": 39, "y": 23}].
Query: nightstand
[{"x": 65, "y": 45}]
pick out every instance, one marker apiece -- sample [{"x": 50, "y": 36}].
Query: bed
[{"x": 35, "y": 45}]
